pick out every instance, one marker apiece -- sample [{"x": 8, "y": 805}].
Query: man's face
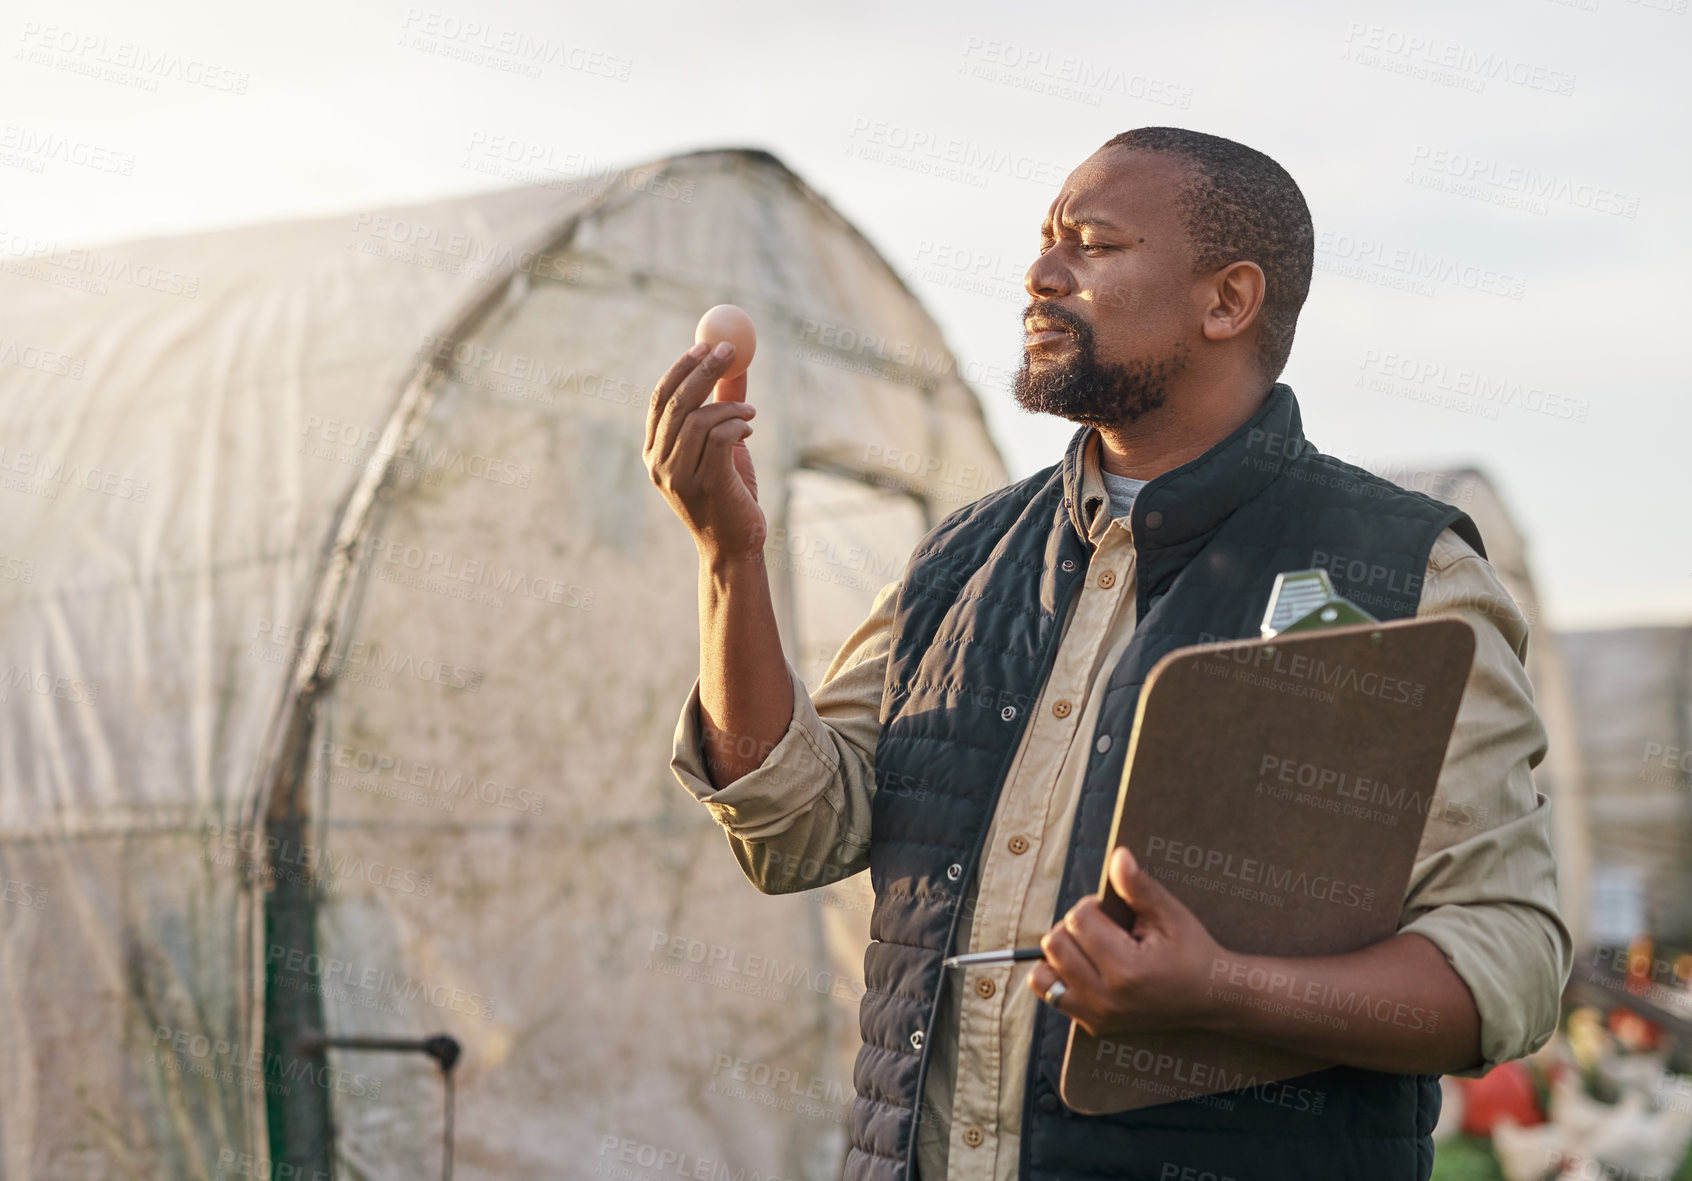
[{"x": 1114, "y": 278}]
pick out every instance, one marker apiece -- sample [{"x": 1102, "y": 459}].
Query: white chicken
[
  {"x": 1594, "y": 1141},
  {"x": 1634, "y": 1143},
  {"x": 1530, "y": 1154}
]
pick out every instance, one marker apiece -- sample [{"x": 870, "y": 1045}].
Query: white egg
[{"x": 727, "y": 322}]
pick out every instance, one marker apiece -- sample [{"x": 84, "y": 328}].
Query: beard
[{"x": 1083, "y": 389}]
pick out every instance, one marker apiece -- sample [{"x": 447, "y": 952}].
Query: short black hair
[{"x": 1239, "y": 204}]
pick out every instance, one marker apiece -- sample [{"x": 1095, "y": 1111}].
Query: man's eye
[{"x": 1094, "y": 246}]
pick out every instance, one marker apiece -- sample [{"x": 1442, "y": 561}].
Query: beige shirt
[{"x": 1483, "y": 888}]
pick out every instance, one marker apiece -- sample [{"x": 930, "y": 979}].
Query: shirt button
[
  {"x": 974, "y": 1136},
  {"x": 1047, "y": 1103},
  {"x": 916, "y": 1040},
  {"x": 954, "y": 871},
  {"x": 1008, "y": 712},
  {"x": 1107, "y": 579},
  {"x": 1153, "y": 520},
  {"x": 1103, "y": 744},
  {"x": 1061, "y": 709},
  {"x": 985, "y": 987},
  {"x": 1017, "y": 844},
  {"x": 1069, "y": 563}
]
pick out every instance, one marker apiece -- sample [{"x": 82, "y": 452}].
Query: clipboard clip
[{"x": 1303, "y": 600}]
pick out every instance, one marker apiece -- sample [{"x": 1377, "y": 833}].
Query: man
[{"x": 966, "y": 743}]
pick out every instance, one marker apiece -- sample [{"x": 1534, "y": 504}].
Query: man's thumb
[{"x": 1137, "y": 887}]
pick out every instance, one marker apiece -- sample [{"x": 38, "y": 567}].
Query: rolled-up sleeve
[
  {"x": 1484, "y": 886},
  {"x": 802, "y": 818}
]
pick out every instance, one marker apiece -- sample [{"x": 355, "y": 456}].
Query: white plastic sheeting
[{"x": 502, "y": 853}]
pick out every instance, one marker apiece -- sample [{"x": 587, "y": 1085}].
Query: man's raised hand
[{"x": 697, "y": 456}]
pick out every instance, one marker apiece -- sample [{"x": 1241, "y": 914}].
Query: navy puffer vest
[{"x": 976, "y": 633}]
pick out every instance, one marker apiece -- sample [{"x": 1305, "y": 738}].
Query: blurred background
[{"x": 343, "y": 637}]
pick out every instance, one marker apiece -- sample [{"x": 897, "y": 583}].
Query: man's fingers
[
  {"x": 702, "y": 429},
  {"x": 663, "y": 392},
  {"x": 719, "y": 446},
  {"x": 1071, "y": 961},
  {"x": 695, "y": 387},
  {"x": 1099, "y": 935}
]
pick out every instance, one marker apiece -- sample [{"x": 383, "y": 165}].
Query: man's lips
[{"x": 1046, "y": 336}]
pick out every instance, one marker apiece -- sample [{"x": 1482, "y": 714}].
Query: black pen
[{"x": 1003, "y": 956}]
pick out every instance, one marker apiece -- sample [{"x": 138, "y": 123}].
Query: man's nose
[{"x": 1047, "y": 278}]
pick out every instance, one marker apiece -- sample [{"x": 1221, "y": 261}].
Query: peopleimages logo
[
  {"x": 617, "y": 1153},
  {"x": 1447, "y": 61},
  {"x": 453, "y": 242},
  {"x": 1252, "y": 872},
  {"x": 228, "y": 1061},
  {"x": 1320, "y": 995},
  {"x": 243, "y": 1164},
  {"x": 115, "y": 60},
  {"x": 1361, "y": 796},
  {"x": 1675, "y": 762},
  {"x": 1149, "y": 1066},
  {"x": 1275, "y": 667},
  {"x": 439, "y": 569},
  {"x": 41, "y": 147},
  {"x": 284, "y": 859},
  {"x": 55, "y": 472},
  {"x": 370, "y": 658},
  {"x": 24, "y": 894},
  {"x": 1520, "y": 180},
  {"x": 951, "y": 157},
  {"x": 1360, "y": 257},
  {"x": 421, "y": 460},
  {"x": 332, "y": 971},
  {"x": 1482, "y": 390},
  {"x": 452, "y": 784},
  {"x": 711, "y": 958},
  {"x": 515, "y": 158},
  {"x": 42, "y": 360},
  {"x": 512, "y": 50},
  {"x": 1073, "y": 78},
  {"x": 730, "y": 1068}
]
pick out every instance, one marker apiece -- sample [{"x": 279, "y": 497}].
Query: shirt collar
[
  {"x": 1094, "y": 495},
  {"x": 1190, "y": 501}
]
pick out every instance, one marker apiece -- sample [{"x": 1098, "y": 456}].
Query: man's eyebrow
[{"x": 1078, "y": 223}]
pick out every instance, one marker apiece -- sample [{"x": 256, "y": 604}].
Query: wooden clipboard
[{"x": 1279, "y": 788}]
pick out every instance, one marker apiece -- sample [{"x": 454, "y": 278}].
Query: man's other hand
[{"x": 1128, "y": 981}]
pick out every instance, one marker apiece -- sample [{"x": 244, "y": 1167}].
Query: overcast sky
[{"x": 1499, "y": 194}]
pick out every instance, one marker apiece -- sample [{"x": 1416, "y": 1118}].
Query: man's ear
[{"x": 1236, "y": 300}]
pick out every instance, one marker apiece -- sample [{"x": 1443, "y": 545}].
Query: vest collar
[{"x": 1193, "y": 499}]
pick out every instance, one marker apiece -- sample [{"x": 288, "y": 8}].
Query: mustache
[{"x": 1063, "y": 317}]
